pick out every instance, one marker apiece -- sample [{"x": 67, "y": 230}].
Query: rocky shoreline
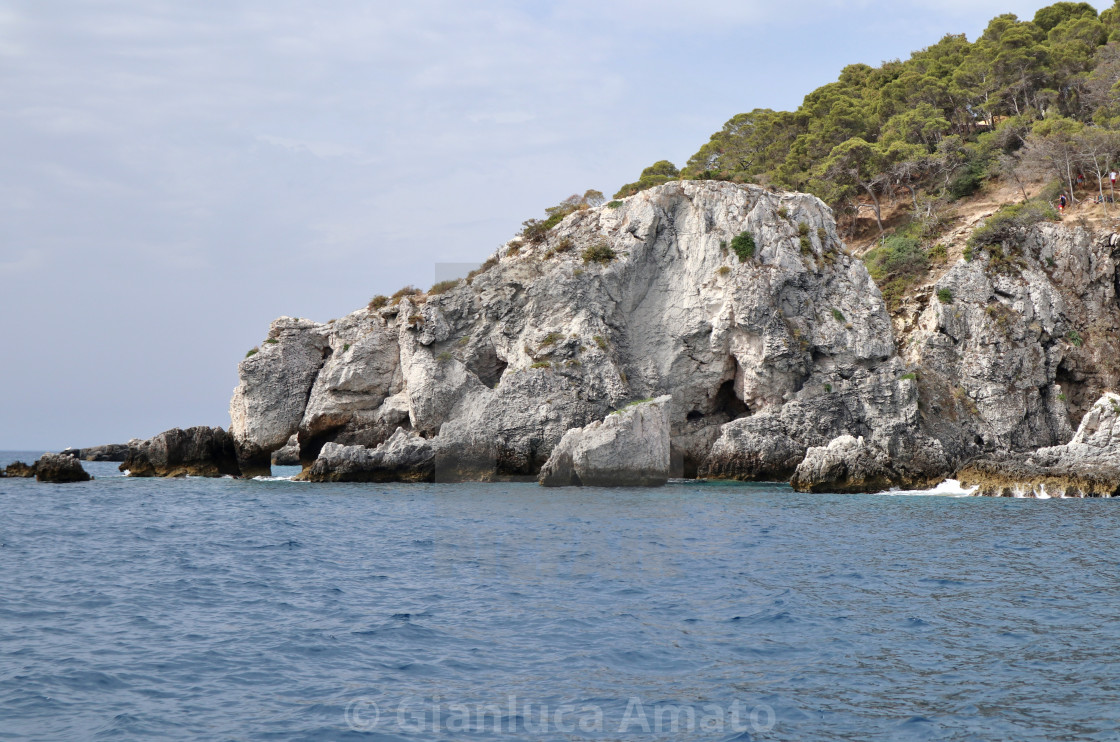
[{"x": 765, "y": 347}]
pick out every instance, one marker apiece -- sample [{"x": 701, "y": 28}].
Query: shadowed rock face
[
  {"x": 196, "y": 452},
  {"x": 59, "y": 468},
  {"x": 628, "y": 448},
  {"x": 19, "y": 470},
  {"x": 1087, "y": 466}
]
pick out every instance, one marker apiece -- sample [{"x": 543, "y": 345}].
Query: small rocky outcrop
[
  {"x": 405, "y": 457},
  {"x": 196, "y": 452},
  {"x": 288, "y": 455},
  {"x": 59, "y": 468},
  {"x": 19, "y": 470},
  {"x": 108, "y": 452},
  {"x": 1087, "y": 466},
  {"x": 892, "y": 458},
  {"x": 629, "y": 447}
]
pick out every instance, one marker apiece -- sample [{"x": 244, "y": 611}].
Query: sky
[{"x": 175, "y": 175}]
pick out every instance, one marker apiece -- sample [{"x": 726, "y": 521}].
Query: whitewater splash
[{"x": 948, "y": 488}]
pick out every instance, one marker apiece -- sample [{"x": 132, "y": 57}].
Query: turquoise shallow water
[{"x": 223, "y": 609}]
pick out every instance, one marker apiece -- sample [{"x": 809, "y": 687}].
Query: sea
[{"x": 268, "y": 609}]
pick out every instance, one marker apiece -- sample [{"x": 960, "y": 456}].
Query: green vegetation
[
  {"x": 1061, "y": 396},
  {"x": 806, "y": 244},
  {"x": 345, "y": 347},
  {"x": 743, "y": 246},
  {"x": 444, "y": 357},
  {"x": 897, "y": 264},
  {"x": 272, "y": 341},
  {"x": 1075, "y": 338},
  {"x": 403, "y": 292},
  {"x": 628, "y": 405},
  {"x": 600, "y": 253},
  {"x": 911, "y": 376},
  {"x": 541, "y": 364},
  {"x": 945, "y": 296},
  {"x": 252, "y": 352},
  {"x": 534, "y": 231},
  {"x": 1007, "y": 224},
  {"x": 487, "y": 265},
  {"x": 838, "y": 316},
  {"x": 614, "y": 204},
  {"x": 659, "y": 172},
  {"x": 442, "y": 287},
  {"x": 377, "y": 302},
  {"x": 600, "y": 341},
  {"x": 1036, "y": 94},
  {"x": 803, "y": 228},
  {"x": 551, "y": 339},
  {"x": 723, "y": 270},
  {"x": 828, "y": 388},
  {"x": 783, "y": 212}
]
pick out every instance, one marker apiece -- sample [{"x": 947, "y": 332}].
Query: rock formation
[
  {"x": 19, "y": 470},
  {"x": 288, "y": 455},
  {"x": 768, "y": 347},
  {"x": 196, "y": 452},
  {"x": 108, "y": 452},
  {"x": 1087, "y": 466},
  {"x": 405, "y": 457},
  {"x": 629, "y": 447},
  {"x": 59, "y": 468}
]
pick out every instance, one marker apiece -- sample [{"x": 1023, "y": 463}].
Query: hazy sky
[{"x": 174, "y": 175}]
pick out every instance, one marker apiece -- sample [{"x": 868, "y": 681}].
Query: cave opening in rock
[{"x": 729, "y": 403}]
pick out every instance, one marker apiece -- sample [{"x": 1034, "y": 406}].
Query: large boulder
[
  {"x": 288, "y": 455},
  {"x": 1087, "y": 466},
  {"x": 891, "y": 458},
  {"x": 630, "y": 447},
  {"x": 404, "y": 457},
  {"x": 194, "y": 452},
  {"x": 59, "y": 468}
]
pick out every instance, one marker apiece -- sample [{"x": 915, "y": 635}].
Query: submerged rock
[
  {"x": 1087, "y": 466},
  {"x": 59, "y": 468},
  {"x": 405, "y": 457},
  {"x": 197, "y": 452},
  {"x": 629, "y": 447}
]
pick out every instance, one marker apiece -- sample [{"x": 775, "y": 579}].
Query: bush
[
  {"x": 803, "y": 228},
  {"x": 272, "y": 341},
  {"x": 945, "y": 296},
  {"x": 895, "y": 265},
  {"x": 406, "y": 291},
  {"x": 252, "y": 352},
  {"x": 783, "y": 212},
  {"x": 911, "y": 376},
  {"x": 599, "y": 253},
  {"x": 444, "y": 357},
  {"x": 1009, "y": 222},
  {"x": 1075, "y": 338},
  {"x": 416, "y": 320},
  {"x": 743, "y": 245},
  {"x": 806, "y": 244},
  {"x": 614, "y": 204},
  {"x": 550, "y": 339},
  {"x": 723, "y": 270},
  {"x": 838, "y": 316},
  {"x": 602, "y": 343},
  {"x": 442, "y": 287},
  {"x": 968, "y": 180},
  {"x": 822, "y": 235},
  {"x": 938, "y": 253},
  {"x": 378, "y": 301}
]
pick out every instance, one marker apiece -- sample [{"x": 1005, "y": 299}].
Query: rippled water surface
[{"x": 222, "y": 609}]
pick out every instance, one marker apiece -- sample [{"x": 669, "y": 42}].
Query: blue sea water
[{"x": 260, "y": 610}]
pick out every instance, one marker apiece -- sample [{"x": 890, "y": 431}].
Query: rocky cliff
[{"x": 767, "y": 346}]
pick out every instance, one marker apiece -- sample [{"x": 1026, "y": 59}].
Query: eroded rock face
[
  {"x": 777, "y": 352},
  {"x": 108, "y": 452},
  {"x": 404, "y": 457},
  {"x": 1029, "y": 339},
  {"x": 1087, "y": 466},
  {"x": 59, "y": 468},
  {"x": 196, "y": 452},
  {"x": 629, "y": 447},
  {"x": 270, "y": 401}
]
